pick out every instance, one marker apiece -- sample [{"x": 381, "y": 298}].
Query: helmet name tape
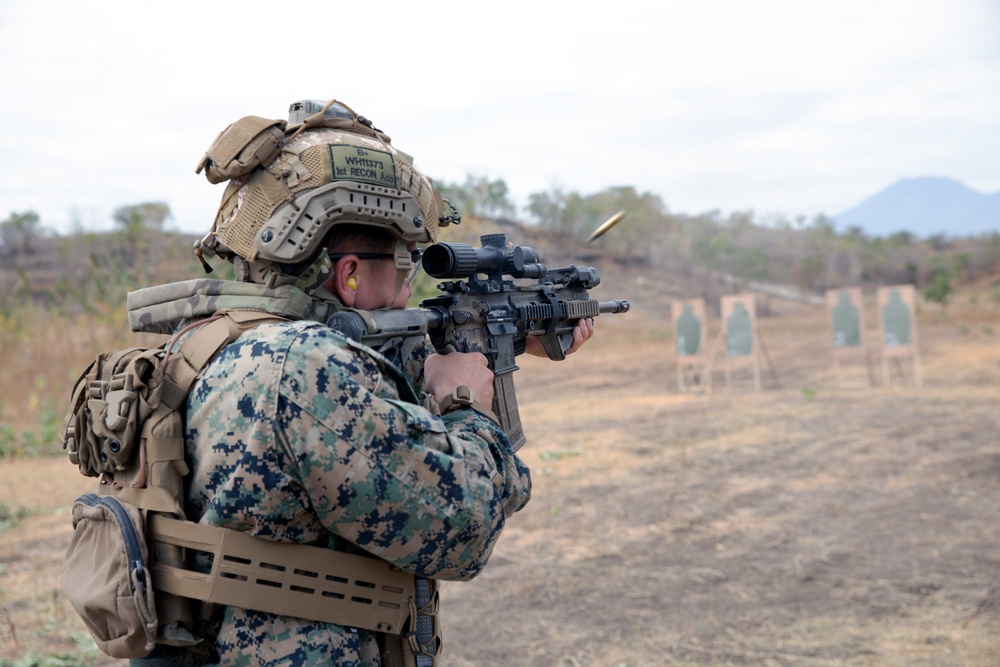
[{"x": 365, "y": 165}]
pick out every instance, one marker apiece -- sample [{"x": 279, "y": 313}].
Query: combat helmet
[{"x": 290, "y": 182}]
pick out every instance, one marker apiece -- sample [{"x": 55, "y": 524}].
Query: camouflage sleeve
[
  {"x": 426, "y": 493},
  {"x": 413, "y": 368}
]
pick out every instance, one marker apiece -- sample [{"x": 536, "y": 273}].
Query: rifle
[{"x": 488, "y": 313}]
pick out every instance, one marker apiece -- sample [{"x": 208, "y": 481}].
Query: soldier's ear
[{"x": 344, "y": 279}]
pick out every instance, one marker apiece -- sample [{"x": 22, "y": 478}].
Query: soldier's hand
[
  {"x": 445, "y": 372},
  {"x": 582, "y": 332}
]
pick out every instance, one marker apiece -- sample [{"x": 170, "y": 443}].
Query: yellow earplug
[{"x": 352, "y": 282}]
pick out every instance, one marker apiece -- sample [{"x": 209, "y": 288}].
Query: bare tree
[
  {"x": 19, "y": 232},
  {"x": 136, "y": 222}
]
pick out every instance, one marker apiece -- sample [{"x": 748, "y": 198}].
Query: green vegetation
[
  {"x": 20, "y": 231},
  {"x": 557, "y": 454},
  {"x": 479, "y": 196},
  {"x": 939, "y": 287},
  {"x": 43, "y": 436},
  {"x": 62, "y": 297},
  {"x": 743, "y": 247},
  {"x": 87, "y": 653},
  {"x": 9, "y": 517}
]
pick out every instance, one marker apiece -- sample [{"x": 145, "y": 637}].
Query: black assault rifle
[{"x": 488, "y": 313}]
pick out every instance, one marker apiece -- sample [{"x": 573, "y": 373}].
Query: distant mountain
[{"x": 925, "y": 207}]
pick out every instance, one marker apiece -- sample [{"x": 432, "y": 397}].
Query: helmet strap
[
  {"x": 316, "y": 274},
  {"x": 404, "y": 262}
]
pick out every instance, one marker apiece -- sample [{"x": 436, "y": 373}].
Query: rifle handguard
[{"x": 461, "y": 399}]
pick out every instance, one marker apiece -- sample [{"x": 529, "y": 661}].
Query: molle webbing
[
  {"x": 275, "y": 577},
  {"x": 284, "y": 578}
]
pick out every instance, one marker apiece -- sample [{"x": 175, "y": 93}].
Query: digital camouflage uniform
[{"x": 295, "y": 433}]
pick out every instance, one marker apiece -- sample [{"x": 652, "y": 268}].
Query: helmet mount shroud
[{"x": 295, "y": 229}]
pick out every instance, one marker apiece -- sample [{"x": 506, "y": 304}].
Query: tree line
[{"x": 811, "y": 254}]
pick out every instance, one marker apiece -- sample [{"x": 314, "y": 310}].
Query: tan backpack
[
  {"x": 126, "y": 570},
  {"x": 125, "y": 426}
]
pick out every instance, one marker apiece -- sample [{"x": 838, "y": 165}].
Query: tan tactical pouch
[
  {"x": 248, "y": 143},
  {"x": 106, "y": 579}
]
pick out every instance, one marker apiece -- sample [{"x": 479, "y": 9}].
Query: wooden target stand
[
  {"x": 690, "y": 329},
  {"x": 743, "y": 343},
  {"x": 898, "y": 333},
  {"x": 846, "y": 309}
]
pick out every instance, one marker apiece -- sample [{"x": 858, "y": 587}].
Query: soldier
[{"x": 295, "y": 433}]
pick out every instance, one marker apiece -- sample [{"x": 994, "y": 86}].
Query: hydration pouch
[{"x": 106, "y": 579}]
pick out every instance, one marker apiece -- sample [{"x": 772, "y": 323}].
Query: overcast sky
[{"x": 791, "y": 107}]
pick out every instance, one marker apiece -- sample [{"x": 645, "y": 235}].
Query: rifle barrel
[{"x": 613, "y": 307}]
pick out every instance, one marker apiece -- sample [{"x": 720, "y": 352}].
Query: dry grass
[
  {"x": 836, "y": 526},
  {"x": 33, "y": 614},
  {"x": 832, "y": 527}
]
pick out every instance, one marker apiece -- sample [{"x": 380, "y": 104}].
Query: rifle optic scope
[{"x": 495, "y": 258}]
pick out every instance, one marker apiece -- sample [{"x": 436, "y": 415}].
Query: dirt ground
[{"x": 805, "y": 524}]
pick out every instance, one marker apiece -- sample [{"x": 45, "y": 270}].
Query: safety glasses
[{"x": 406, "y": 260}]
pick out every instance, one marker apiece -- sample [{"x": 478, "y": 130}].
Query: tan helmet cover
[{"x": 321, "y": 177}]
